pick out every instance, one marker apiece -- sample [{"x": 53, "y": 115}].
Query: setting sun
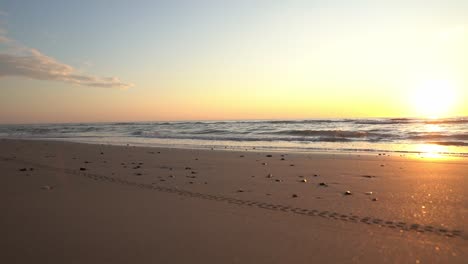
[{"x": 433, "y": 99}]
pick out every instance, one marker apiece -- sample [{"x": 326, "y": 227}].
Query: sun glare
[{"x": 433, "y": 99}]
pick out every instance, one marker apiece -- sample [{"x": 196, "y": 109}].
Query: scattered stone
[
  {"x": 82, "y": 169},
  {"x": 102, "y": 153},
  {"x": 283, "y": 159},
  {"x": 315, "y": 175},
  {"x": 190, "y": 182},
  {"x": 23, "y": 169},
  {"x": 292, "y": 165},
  {"x": 86, "y": 162},
  {"x": 138, "y": 174},
  {"x": 347, "y": 193},
  {"x": 194, "y": 172},
  {"x": 240, "y": 190},
  {"x": 136, "y": 167},
  {"x": 270, "y": 175},
  {"x": 264, "y": 163},
  {"x": 277, "y": 180},
  {"x": 141, "y": 163},
  {"x": 303, "y": 180},
  {"x": 375, "y": 199},
  {"x": 295, "y": 195},
  {"x": 47, "y": 187},
  {"x": 269, "y": 156},
  {"x": 171, "y": 176},
  {"x": 188, "y": 168},
  {"x": 368, "y": 176},
  {"x": 323, "y": 184},
  {"x": 241, "y": 156},
  {"x": 381, "y": 165},
  {"x": 196, "y": 158},
  {"x": 369, "y": 193}
]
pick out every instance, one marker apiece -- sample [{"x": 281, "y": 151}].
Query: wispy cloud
[{"x": 22, "y": 61}]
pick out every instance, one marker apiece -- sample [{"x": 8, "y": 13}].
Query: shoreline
[
  {"x": 231, "y": 206},
  {"x": 434, "y": 156}
]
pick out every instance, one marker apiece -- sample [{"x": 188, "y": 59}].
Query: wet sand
[{"x": 80, "y": 203}]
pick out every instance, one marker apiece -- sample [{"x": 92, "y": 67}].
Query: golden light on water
[
  {"x": 434, "y": 99},
  {"x": 432, "y": 151}
]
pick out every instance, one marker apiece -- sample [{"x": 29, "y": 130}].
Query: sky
[{"x": 104, "y": 61}]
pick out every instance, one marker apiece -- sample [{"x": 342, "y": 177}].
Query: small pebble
[
  {"x": 23, "y": 169},
  {"x": 295, "y": 196},
  {"x": 369, "y": 193},
  {"x": 375, "y": 199},
  {"x": 269, "y": 156},
  {"x": 323, "y": 184},
  {"x": 82, "y": 169},
  {"x": 46, "y": 187},
  {"x": 188, "y": 168},
  {"x": 303, "y": 180},
  {"x": 240, "y": 190},
  {"x": 347, "y": 193},
  {"x": 264, "y": 163},
  {"x": 283, "y": 159},
  {"x": 270, "y": 175},
  {"x": 277, "y": 180}
]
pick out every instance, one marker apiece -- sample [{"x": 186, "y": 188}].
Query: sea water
[{"x": 399, "y": 135}]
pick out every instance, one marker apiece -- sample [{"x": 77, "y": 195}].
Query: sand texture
[{"x": 81, "y": 203}]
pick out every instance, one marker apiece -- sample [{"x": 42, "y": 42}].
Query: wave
[
  {"x": 439, "y": 137},
  {"x": 450, "y": 143},
  {"x": 333, "y": 133}
]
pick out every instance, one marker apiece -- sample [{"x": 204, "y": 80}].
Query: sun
[{"x": 433, "y": 99}]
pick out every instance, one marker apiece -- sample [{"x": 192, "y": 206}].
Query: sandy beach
[{"x": 81, "y": 203}]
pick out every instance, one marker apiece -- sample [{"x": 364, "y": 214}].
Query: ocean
[{"x": 391, "y": 135}]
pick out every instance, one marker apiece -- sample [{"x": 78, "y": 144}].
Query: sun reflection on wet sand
[{"x": 434, "y": 152}]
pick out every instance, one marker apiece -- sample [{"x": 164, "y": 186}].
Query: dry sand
[{"x": 79, "y": 203}]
